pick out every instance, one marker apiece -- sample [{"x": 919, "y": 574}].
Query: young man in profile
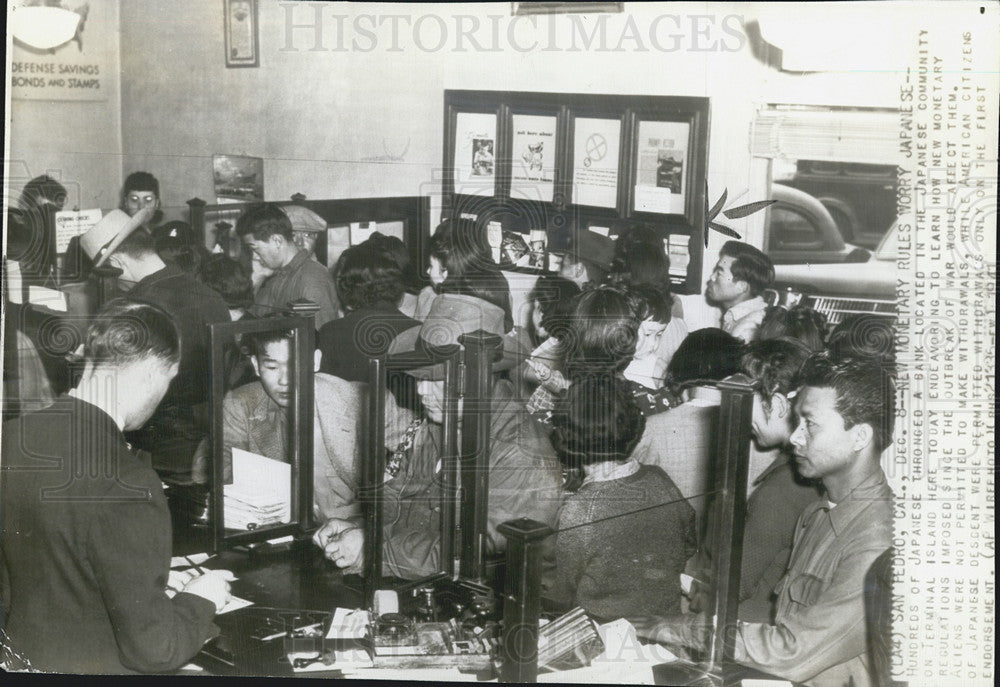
[
  {"x": 740, "y": 276},
  {"x": 85, "y": 542},
  {"x": 845, "y": 412},
  {"x": 268, "y": 233}
]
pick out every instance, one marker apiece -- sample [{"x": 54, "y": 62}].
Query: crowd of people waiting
[{"x": 603, "y": 424}]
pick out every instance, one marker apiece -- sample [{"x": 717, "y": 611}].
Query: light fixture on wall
[{"x": 43, "y": 28}]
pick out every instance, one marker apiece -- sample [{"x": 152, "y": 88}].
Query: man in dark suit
[{"x": 84, "y": 528}]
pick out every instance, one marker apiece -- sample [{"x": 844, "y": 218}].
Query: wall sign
[{"x": 77, "y": 68}]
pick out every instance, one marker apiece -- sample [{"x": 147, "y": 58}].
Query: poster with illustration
[
  {"x": 475, "y": 153},
  {"x": 534, "y": 152}
]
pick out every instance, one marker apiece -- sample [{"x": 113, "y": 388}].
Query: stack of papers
[{"x": 260, "y": 494}]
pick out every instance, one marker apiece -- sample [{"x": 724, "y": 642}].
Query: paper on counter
[
  {"x": 189, "y": 561},
  {"x": 349, "y": 624},
  {"x": 177, "y": 579}
]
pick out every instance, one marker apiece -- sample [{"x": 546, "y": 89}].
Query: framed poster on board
[
  {"x": 474, "y": 153},
  {"x": 596, "y": 160}
]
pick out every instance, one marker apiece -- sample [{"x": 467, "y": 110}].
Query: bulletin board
[{"x": 547, "y": 166}]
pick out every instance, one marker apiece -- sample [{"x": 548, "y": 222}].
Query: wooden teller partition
[{"x": 291, "y": 584}]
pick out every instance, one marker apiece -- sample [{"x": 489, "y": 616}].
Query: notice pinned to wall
[
  {"x": 74, "y": 223},
  {"x": 62, "y": 50}
]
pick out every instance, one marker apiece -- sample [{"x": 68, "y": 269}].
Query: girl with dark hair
[
  {"x": 438, "y": 250},
  {"x": 623, "y": 537},
  {"x": 602, "y": 339},
  {"x": 654, "y": 316}
]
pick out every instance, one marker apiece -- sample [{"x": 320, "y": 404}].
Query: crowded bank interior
[{"x": 502, "y": 341}]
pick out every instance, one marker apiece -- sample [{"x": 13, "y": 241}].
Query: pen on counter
[{"x": 291, "y": 632}]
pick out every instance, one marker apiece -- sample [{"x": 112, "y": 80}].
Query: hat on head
[
  {"x": 593, "y": 247},
  {"x": 304, "y": 219},
  {"x": 176, "y": 229},
  {"x": 422, "y": 350},
  {"x": 102, "y": 239}
]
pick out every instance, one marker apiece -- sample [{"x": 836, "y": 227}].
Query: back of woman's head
[
  {"x": 603, "y": 330},
  {"x": 798, "y": 322},
  {"x": 394, "y": 247},
  {"x": 641, "y": 263},
  {"x": 555, "y": 297},
  {"x": 597, "y": 421},
  {"x": 471, "y": 269},
  {"x": 468, "y": 250},
  {"x": 366, "y": 275},
  {"x": 705, "y": 355}
]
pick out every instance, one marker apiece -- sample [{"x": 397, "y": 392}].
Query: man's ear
[
  {"x": 255, "y": 364},
  {"x": 862, "y": 435},
  {"x": 317, "y": 359},
  {"x": 743, "y": 286}
]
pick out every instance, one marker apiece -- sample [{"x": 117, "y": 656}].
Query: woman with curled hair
[
  {"x": 370, "y": 287},
  {"x": 624, "y": 535},
  {"x": 798, "y": 323}
]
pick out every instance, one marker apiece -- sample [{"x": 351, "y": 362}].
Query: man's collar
[
  {"x": 744, "y": 308},
  {"x": 300, "y": 257},
  {"x": 873, "y": 488}
]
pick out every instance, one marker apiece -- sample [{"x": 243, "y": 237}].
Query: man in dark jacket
[
  {"x": 85, "y": 538},
  {"x": 178, "y": 429}
]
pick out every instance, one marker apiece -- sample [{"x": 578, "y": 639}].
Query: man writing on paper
[
  {"x": 85, "y": 537},
  {"x": 845, "y": 412}
]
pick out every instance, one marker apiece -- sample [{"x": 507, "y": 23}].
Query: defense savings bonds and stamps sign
[
  {"x": 76, "y": 70},
  {"x": 55, "y": 80}
]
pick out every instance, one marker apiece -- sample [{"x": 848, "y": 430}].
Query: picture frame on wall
[{"x": 241, "y": 33}]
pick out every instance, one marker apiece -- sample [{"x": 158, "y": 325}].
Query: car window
[{"x": 793, "y": 230}]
